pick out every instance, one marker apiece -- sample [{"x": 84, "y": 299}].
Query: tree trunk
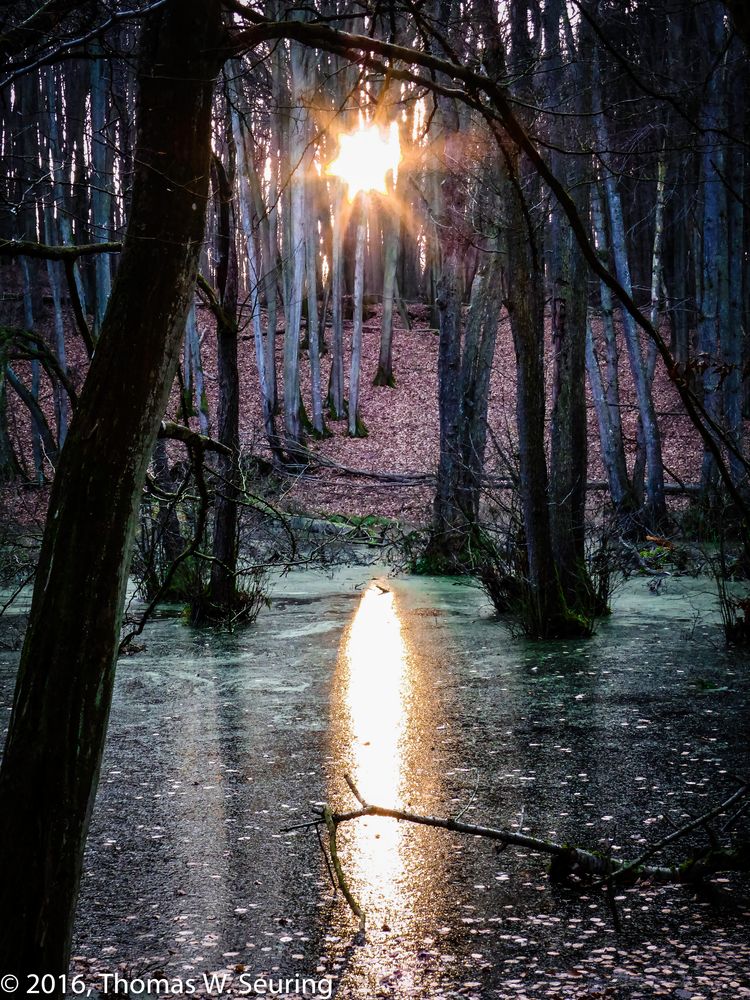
[
  {"x": 194, "y": 378},
  {"x": 639, "y": 466},
  {"x": 336, "y": 407},
  {"x": 732, "y": 335},
  {"x": 568, "y": 427},
  {"x": 356, "y": 426},
  {"x": 476, "y": 371},
  {"x": 313, "y": 320},
  {"x": 28, "y": 318},
  {"x": 63, "y": 692},
  {"x": 244, "y": 169},
  {"x": 222, "y": 591},
  {"x": 525, "y": 290},
  {"x": 296, "y": 254},
  {"x": 613, "y": 449},
  {"x": 170, "y": 535},
  {"x": 100, "y": 195},
  {"x": 655, "y": 505},
  {"x": 62, "y": 415},
  {"x": 47, "y": 444},
  {"x": 713, "y": 298},
  {"x": 392, "y": 223}
]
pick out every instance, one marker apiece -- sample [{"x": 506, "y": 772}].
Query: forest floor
[
  {"x": 402, "y": 423},
  {"x": 403, "y": 427}
]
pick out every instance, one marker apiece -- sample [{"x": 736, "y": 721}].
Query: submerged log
[{"x": 567, "y": 859}]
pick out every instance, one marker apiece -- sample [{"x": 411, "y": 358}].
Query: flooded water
[{"x": 218, "y": 742}]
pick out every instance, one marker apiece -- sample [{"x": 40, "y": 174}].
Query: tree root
[{"x": 567, "y": 860}]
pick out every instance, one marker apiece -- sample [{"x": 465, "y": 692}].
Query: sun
[{"x": 366, "y": 157}]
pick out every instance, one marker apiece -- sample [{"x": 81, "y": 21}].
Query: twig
[
  {"x": 471, "y": 800},
  {"x": 332, "y": 823},
  {"x": 682, "y": 831},
  {"x": 25, "y": 582},
  {"x": 355, "y": 791},
  {"x": 325, "y": 857}
]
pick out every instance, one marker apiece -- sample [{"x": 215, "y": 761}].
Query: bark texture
[{"x": 61, "y": 706}]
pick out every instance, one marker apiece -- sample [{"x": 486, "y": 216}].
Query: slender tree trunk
[
  {"x": 732, "y": 335},
  {"x": 336, "y": 406},
  {"x": 30, "y": 398},
  {"x": 639, "y": 466},
  {"x": 222, "y": 593},
  {"x": 356, "y": 426},
  {"x": 476, "y": 371},
  {"x": 9, "y": 467},
  {"x": 244, "y": 169},
  {"x": 194, "y": 365},
  {"x": 268, "y": 264},
  {"x": 100, "y": 195},
  {"x": 617, "y": 469},
  {"x": 612, "y": 457},
  {"x": 313, "y": 320},
  {"x": 64, "y": 686},
  {"x": 62, "y": 415},
  {"x": 170, "y": 536},
  {"x": 392, "y": 244},
  {"x": 712, "y": 300},
  {"x": 28, "y": 318},
  {"x": 295, "y": 286},
  {"x": 655, "y": 507}
]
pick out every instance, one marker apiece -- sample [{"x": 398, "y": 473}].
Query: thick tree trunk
[
  {"x": 525, "y": 285},
  {"x": 57, "y": 729},
  {"x": 568, "y": 430},
  {"x": 453, "y": 522}
]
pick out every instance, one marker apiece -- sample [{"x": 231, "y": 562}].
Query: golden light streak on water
[{"x": 377, "y": 696}]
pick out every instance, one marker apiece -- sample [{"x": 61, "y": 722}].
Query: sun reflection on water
[{"x": 377, "y": 696}]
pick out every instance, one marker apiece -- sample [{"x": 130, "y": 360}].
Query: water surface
[{"x": 218, "y": 741}]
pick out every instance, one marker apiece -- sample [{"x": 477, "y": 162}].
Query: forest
[{"x": 374, "y": 498}]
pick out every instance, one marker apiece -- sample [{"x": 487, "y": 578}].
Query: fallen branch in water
[{"x": 567, "y": 859}]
